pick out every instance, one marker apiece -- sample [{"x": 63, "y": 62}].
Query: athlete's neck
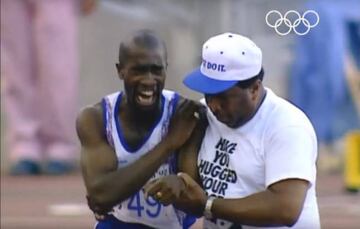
[{"x": 140, "y": 116}]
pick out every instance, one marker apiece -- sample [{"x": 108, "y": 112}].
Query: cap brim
[{"x": 199, "y": 82}]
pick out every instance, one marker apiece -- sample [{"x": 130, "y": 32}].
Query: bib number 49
[{"x": 151, "y": 207}]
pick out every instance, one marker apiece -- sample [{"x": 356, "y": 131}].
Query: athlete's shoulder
[
  {"x": 89, "y": 120},
  {"x": 90, "y": 112},
  {"x": 170, "y": 95}
]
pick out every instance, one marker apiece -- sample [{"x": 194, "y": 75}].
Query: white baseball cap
[{"x": 226, "y": 59}]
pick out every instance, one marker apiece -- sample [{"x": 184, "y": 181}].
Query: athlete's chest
[
  {"x": 133, "y": 140},
  {"x": 134, "y": 134}
]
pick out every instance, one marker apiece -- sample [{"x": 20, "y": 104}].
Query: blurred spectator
[
  {"x": 319, "y": 84},
  {"x": 39, "y": 75}
]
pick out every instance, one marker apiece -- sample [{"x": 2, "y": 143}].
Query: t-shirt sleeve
[{"x": 290, "y": 152}]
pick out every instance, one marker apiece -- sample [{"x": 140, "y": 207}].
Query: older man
[{"x": 256, "y": 163}]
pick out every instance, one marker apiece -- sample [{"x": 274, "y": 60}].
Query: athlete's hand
[
  {"x": 183, "y": 123},
  {"x": 165, "y": 189},
  {"x": 181, "y": 190}
]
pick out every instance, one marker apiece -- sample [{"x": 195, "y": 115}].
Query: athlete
[
  {"x": 130, "y": 138},
  {"x": 256, "y": 163}
]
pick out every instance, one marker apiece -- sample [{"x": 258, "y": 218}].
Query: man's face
[
  {"x": 234, "y": 106},
  {"x": 144, "y": 76}
]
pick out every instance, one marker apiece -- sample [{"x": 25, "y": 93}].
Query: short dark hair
[
  {"x": 247, "y": 83},
  {"x": 143, "y": 38}
]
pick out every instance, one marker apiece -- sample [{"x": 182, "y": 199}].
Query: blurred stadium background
[{"x": 185, "y": 25}]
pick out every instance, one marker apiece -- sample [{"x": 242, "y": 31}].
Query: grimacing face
[
  {"x": 144, "y": 74},
  {"x": 235, "y": 106}
]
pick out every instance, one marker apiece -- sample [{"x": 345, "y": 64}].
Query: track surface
[{"x": 27, "y": 202}]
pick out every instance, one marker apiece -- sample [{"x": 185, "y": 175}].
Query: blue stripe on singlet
[
  {"x": 188, "y": 221},
  {"x": 104, "y": 114},
  {"x": 110, "y": 222}
]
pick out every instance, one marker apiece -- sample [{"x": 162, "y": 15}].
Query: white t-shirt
[{"x": 278, "y": 143}]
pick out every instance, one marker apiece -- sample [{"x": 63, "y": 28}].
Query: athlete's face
[
  {"x": 235, "y": 106},
  {"x": 144, "y": 76}
]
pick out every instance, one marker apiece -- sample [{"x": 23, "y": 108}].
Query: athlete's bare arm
[
  {"x": 105, "y": 183},
  {"x": 188, "y": 153},
  {"x": 187, "y": 163}
]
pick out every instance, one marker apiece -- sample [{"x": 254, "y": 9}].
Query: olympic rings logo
[{"x": 292, "y": 25}]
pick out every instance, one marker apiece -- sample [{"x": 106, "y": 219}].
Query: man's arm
[
  {"x": 279, "y": 205},
  {"x": 106, "y": 184}
]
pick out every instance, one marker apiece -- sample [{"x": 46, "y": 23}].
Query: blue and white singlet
[{"x": 137, "y": 209}]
